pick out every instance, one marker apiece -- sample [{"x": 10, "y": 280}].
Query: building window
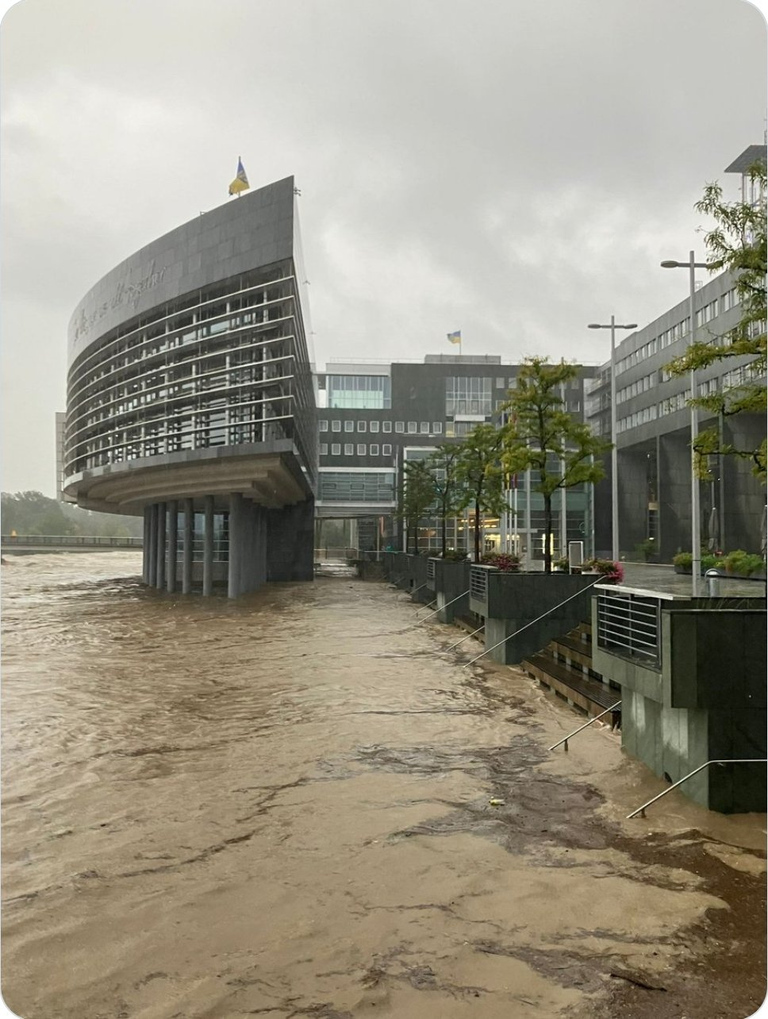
[
  {"x": 411, "y": 427},
  {"x": 349, "y": 449},
  {"x": 335, "y": 449},
  {"x": 373, "y": 449},
  {"x": 335, "y": 426},
  {"x": 373, "y": 426},
  {"x": 349, "y": 426},
  {"x": 323, "y": 425},
  {"x": 399, "y": 426},
  {"x": 424, "y": 427},
  {"x": 364, "y": 392},
  {"x": 386, "y": 426},
  {"x": 361, "y": 449},
  {"x": 386, "y": 449},
  {"x": 323, "y": 449},
  {"x": 467, "y": 396},
  {"x": 361, "y": 426},
  {"x": 437, "y": 427}
]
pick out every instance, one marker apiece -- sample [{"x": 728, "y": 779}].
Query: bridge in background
[{"x": 27, "y": 543}]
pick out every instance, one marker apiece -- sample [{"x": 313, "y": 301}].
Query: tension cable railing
[{"x": 738, "y": 760}]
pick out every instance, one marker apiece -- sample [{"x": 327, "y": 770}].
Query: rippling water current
[{"x": 272, "y": 806}]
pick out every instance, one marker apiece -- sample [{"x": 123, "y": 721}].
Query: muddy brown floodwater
[{"x": 299, "y": 804}]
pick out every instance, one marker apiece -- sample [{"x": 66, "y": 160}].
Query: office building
[{"x": 190, "y": 398}]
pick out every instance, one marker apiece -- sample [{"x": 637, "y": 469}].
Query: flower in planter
[
  {"x": 504, "y": 561},
  {"x": 611, "y": 571}
]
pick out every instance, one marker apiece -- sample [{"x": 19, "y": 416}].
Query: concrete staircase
[{"x": 565, "y": 666}]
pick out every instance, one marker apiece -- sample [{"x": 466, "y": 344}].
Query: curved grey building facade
[{"x": 190, "y": 398}]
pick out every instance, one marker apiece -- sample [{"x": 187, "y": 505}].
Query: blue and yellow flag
[
  {"x": 454, "y": 337},
  {"x": 240, "y": 183}
]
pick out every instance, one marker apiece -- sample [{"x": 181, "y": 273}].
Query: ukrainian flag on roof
[
  {"x": 240, "y": 183},
  {"x": 454, "y": 337}
]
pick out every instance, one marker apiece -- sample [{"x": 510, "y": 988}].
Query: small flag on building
[
  {"x": 455, "y": 337},
  {"x": 240, "y": 183}
]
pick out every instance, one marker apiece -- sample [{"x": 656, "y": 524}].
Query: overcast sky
[{"x": 511, "y": 169}]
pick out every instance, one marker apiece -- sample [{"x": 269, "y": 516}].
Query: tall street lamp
[
  {"x": 692, "y": 265},
  {"x": 614, "y": 453}
]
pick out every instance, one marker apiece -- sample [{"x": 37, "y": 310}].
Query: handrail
[
  {"x": 570, "y": 598},
  {"x": 466, "y": 638},
  {"x": 427, "y": 606},
  {"x": 737, "y": 760},
  {"x": 441, "y": 608},
  {"x": 593, "y": 719}
]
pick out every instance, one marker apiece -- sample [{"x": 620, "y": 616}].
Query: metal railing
[
  {"x": 478, "y": 583},
  {"x": 631, "y": 625},
  {"x": 737, "y": 760},
  {"x": 23, "y": 540},
  {"x": 584, "y": 726}
]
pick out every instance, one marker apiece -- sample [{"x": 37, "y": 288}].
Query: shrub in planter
[
  {"x": 453, "y": 555},
  {"x": 684, "y": 560},
  {"x": 504, "y": 561},
  {"x": 562, "y": 563},
  {"x": 742, "y": 562},
  {"x": 612, "y": 572}
]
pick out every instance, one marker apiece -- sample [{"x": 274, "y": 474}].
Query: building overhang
[{"x": 267, "y": 473}]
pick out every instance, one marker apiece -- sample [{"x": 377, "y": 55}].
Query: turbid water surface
[{"x": 301, "y": 804}]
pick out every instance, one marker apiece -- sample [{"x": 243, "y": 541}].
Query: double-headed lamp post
[
  {"x": 614, "y": 454},
  {"x": 692, "y": 265}
]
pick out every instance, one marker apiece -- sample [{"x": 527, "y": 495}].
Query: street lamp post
[
  {"x": 614, "y": 453},
  {"x": 692, "y": 265}
]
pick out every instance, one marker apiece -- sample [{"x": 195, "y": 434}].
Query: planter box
[
  {"x": 451, "y": 583},
  {"x": 536, "y": 605},
  {"x": 417, "y": 577}
]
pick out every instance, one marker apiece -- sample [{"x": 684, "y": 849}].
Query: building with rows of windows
[
  {"x": 375, "y": 417},
  {"x": 190, "y": 398}
]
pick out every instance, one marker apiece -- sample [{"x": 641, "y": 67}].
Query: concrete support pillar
[
  {"x": 235, "y": 543},
  {"x": 188, "y": 547},
  {"x": 173, "y": 516},
  {"x": 152, "y": 548},
  {"x": 160, "y": 546},
  {"x": 146, "y": 545},
  {"x": 208, "y": 546},
  {"x": 290, "y": 542}
]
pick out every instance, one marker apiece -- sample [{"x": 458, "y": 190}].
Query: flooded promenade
[{"x": 301, "y": 804}]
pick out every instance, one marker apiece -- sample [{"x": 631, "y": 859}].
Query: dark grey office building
[
  {"x": 379, "y": 415},
  {"x": 190, "y": 398}
]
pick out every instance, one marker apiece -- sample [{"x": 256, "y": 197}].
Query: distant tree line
[{"x": 35, "y": 513}]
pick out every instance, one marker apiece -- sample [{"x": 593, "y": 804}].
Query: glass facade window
[
  {"x": 361, "y": 449},
  {"x": 386, "y": 426},
  {"x": 323, "y": 425},
  {"x": 362, "y": 426},
  {"x": 373, "y": 426},
  {"x": 424, "y": 427},
  {"x": 349, "y": 426},
  {"x": 373, "y": 449},
  {"x": 467, "y": 396},
  {"x": 335, "y": 449},
  {"x": 386, "y": 449},
  {"x": 437, "y": 427},
  {"x": 399, "y": 426},
  {"x": 335, "y": 426},
  {"x": 411, "y": 427},
  {"x": 363, "y": 392},
  {"x": 349, "y": 449},
  {"x": 357, "y": 486},
  {"x": 323, "y": 449}
]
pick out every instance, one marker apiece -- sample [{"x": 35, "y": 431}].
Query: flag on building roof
[
  {"x": 240, "y": 183},
  {"x": 454, "y": 337}
]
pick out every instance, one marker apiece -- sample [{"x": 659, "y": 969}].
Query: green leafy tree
[
  {"x": 416, "y": 495},
  {"x": 478, "y": 472},
  {"x": 737, "y": 243},
  {"x": 34, "y": 513},
  {"x": 447, "y": 487},
  {"x": 541, "y": 436}
]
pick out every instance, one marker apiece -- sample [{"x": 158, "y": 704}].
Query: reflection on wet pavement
[{"x": 299, "y": 804}]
